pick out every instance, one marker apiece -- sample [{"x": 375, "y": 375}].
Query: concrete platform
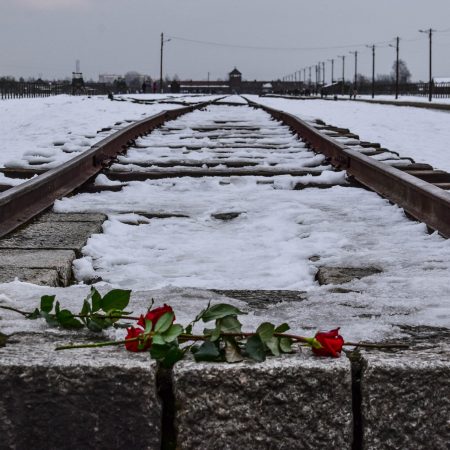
[
  {"x": 106, "y": 398},
  {"x": 43, "y": 251},
  {"x": 45, "y": 267},
  {"x": 52, "y": 235},
  {"x": 295, "y": 402},
  {"x": 91, "y": 399},
  {"x": 406, "y": 399}
]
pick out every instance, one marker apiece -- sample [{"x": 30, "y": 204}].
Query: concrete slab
[
  {"x": 44, "y": 277},
  {"x": 37, "y": 266},
  {"x": 262, "y": 299},
  {"x": 72, "y": 217},
  {"x": 341, "y": 275},
  {"x": 52, "y": 235},
  {"x": 297, "y": 402},
  {"x": 406, "y": 398},
  {"x": 76, "y": 399}
]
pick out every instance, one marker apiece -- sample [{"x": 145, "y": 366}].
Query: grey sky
[{"x": 111, "y": 36}]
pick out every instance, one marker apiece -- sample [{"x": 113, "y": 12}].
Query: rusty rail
[
  {"x": 21, "y": 203},
  {"x": 420, "y": 199}
]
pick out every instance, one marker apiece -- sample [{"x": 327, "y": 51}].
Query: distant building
[
  {"x": 108, "y": 78},
  {"x": 235, "y": 85}
]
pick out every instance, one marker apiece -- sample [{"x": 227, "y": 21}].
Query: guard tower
[
  {"x": 77, "y": 80},
  {"x": 235, "y": 79}
]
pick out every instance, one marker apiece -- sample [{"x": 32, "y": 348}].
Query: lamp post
[
  {"x": 343, "y": 73},
  {"x": 356, "y": 70},
  {"x": 161, "y": 90},
  {"x": 332, "y": 70},
  {"x": 373, "y": 69},
  {"x": 430, "y": 82}
]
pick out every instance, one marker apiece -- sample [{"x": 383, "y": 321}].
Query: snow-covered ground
[
  {"x": 421, "y": 134},
  {"x": 48, "y": 131},
  {"x": 186, "y": 98},
  {"x": 405, "y": 98}
]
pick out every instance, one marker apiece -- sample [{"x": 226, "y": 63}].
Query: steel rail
[
  {"x": 21, "y": 203},
  {"x": 420, "y": 199}
]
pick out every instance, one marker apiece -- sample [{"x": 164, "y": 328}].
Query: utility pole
[
  {"x": 430, "y": 82},
  {"x": 373, "y": 69},
  {"x": 397, "y": 65},
  {"x": 332, "y": 70},
  {"x": 323, "y": 72},
  {"x": 355, "y": 82},
  {"x": 161, "y": 65},
  {"x": 309, "y": 83},
  {"x": 343, "y": 73},
  {"x": 317, "y": 77}
]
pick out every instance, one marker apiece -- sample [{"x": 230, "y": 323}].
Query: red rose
[
  {"x": 154, "y": 315},
  {"x": 331, "y": 343},
  {"x": 133, "y": 346}
]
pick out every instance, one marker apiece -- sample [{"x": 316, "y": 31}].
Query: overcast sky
[{"x": 45, "y": 37}]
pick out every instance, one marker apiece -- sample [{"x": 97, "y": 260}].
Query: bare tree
[{"x": 404, "y": 75}]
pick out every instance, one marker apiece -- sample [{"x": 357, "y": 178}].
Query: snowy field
[
  {"x": 280, "y": 237},
  {"x": 406, "y": 98},
  {"x": 421, "y": 134},
  {"x": 47, "y": 131}
]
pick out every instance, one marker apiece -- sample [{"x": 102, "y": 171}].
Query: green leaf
[
  {"x": 115, "y": 299},
  {"x": 174, "y": 355},
  {"x": 66, "y": 320},
  {"x": 273, "y": 345},
  {"x": 164, "y": 322},
  {"x": 47, "y": 303},
  {"x": 229, "y": 324},
  {"x": 49, "y": 318},
  {"x": 220, "y": 310},
  {"x": 114, "y": 315},
  {"x": 95, "y": 325},
  {"x": 159, "y": 351},
  {"x": 148, "y": 326},
  {"x": 86, "y": 310},
  {"x": 265, "y": 331},
  {"x": 282, "y": 328},
  {"x": 57, "y": 308},
  {"x": 96, "y": 300},
  {"x": 34, "y": 315},
  {"x": 255, "y": 348},
  {"x": 286, "y": 345},
  {"x": 215, "y": 334},
  {"x": 232, "y": 352},
  {"x": 3, "y": 339},
  {"x": 208, "y": 351},
  {"x": 172, "y": 333},
  {"x": 166, "y": 354},
  {"x": 189, "y": 329},
  {"x": 158, "y": 339}
]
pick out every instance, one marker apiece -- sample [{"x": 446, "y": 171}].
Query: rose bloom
[
  {"x": 154, "y": 315},
  {"x": 133, "y": 346},
  {"x": 331, "y": 343},
  {"x": 133, "y": 332}
]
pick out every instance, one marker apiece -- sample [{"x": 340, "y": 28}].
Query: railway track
[{"x": 225, "y": 141}]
